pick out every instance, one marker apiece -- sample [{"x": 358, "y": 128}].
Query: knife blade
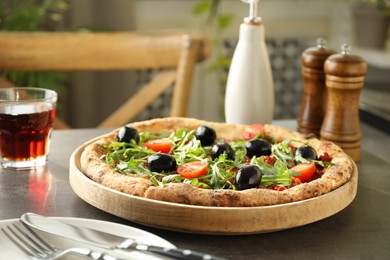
[{"x": 106, "y": 240}]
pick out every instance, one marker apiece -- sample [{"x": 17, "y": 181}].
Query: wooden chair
[{"x": 174, "y": 54}]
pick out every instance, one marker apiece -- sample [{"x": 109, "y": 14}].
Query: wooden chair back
[{"x": 174, "y": 54}]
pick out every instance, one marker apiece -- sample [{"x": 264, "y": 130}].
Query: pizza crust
[{"x": 95, "y": 168}]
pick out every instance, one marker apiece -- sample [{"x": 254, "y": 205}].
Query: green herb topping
[{"x": 131, "y": 159}]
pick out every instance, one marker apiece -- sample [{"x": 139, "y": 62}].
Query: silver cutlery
[
  {"x": 37, "y": 248},
  {"x": 106, "y": 240}
]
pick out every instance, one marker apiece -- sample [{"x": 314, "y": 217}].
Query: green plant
[
  {"x": 383, "y": 5},
  {"x": 33, "y": 15},
  {"x": 215, "y": 23}
]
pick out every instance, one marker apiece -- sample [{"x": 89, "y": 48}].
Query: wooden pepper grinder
[
  {"x": 312, "y": 110},
  {"x": 344, "y": 80}
]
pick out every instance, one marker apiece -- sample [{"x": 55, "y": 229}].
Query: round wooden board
[{"x": 209, "y": 220}]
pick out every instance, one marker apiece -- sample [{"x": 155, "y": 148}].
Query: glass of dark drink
[{"x": 26, "y": 122}]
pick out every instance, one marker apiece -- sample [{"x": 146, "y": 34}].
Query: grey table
[{"x": 360, "y": 231}]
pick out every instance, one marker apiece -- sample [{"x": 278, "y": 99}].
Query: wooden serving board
[{"x": 209, "y": 220}]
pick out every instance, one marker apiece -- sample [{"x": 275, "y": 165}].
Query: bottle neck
[{"x": 251, "y": 32}]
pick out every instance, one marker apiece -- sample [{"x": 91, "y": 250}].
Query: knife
[{"x": 105, "y": 240}]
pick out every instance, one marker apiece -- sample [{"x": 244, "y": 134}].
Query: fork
[{"x": 38, "y": 249}]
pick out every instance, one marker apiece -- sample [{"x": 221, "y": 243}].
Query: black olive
[
  {"x": 249, "y": 176},
  {"x": 222, "y": 148},
  {"x": 257, "y": 147},
  {"x": 306, "y": 152},
  {"x": 128, "y": 133},
  {"x": 206, "y": 135},
  {"x": 161, "y": 162}
]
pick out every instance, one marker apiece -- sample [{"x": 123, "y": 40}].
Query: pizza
[{"x": 196, "y": 162}]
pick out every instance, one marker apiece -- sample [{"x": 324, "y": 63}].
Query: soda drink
[{"x": 25, "y": 127}]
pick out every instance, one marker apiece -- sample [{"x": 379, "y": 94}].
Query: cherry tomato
[
  {"x": 159, "y": 145},
  {"x": 252, "y": 131},
  {"x": 306, "y": 171},
  {"x": 193, "y": 169}
]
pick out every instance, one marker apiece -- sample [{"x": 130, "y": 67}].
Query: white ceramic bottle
[{"x": 250, "y": 95}]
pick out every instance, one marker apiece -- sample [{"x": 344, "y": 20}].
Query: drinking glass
[{"x": 26, "y": 121}]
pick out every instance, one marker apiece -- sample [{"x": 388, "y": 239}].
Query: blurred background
[{"x": 291, "y": 27}]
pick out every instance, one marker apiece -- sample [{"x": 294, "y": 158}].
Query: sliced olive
[
  {"x": 128, "y": 133},
  {"x": 249, "y": 176},
  {"x": 206, "y": 135},
  {"x": 257, "y": 147},
  {"x": 222, "y": 148},
  {"x": 306, "y": 152},
  {"x": 161, "y": 162}
]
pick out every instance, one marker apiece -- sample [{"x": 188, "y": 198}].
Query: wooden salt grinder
[
  {"x": 344, "y": 81},
  {"x": 312, "y": 110}
]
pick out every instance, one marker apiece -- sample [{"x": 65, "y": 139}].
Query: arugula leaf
[
  {"x": 277, "y": 174},
  {"x": 170, "y": 178},
  {"x": 222, "y": 172},
  {"x": 146, "y": 136},
  {"x": 283, "y": 152},
  {"x": 300, "y": 159}
]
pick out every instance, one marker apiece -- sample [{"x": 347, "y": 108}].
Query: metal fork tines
[{"x": 38, "y": 249}]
